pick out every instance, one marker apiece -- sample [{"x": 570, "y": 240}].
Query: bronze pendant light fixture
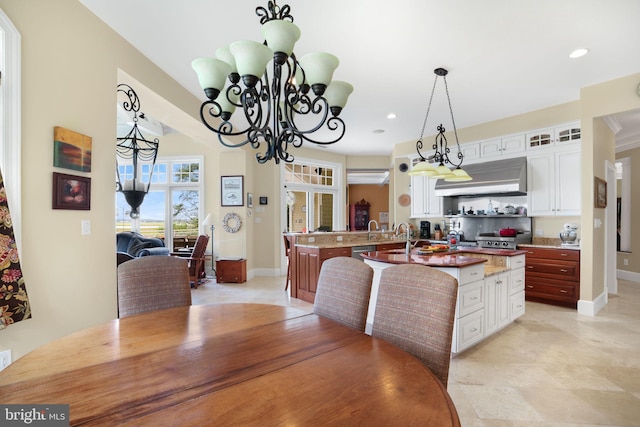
[
  {"x": 442, "y": 150},
  {"x": 282, "y": 105},
  {"x": 141, "y": 152}
]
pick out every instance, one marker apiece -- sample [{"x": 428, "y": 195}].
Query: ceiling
[{"x": 504, "y": 57}]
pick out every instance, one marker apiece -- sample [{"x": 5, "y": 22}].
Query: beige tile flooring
[{"x": 552, "y": 367}]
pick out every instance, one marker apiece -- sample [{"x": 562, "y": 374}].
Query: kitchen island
[{"x": 490, "y": 293}]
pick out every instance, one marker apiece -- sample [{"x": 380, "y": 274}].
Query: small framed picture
[
  {"x": 249, "y": 200},
  {"x": 600, "y": 196},
  {"x": 263, "y": 200},
  {"x": 71, "y": 192},
  {"x": 232, "y": 190}
]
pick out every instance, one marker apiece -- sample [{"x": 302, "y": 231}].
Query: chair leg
[{"x": 288, "y": 274}]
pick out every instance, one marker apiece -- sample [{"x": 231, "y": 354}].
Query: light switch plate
[{"x": 86, "y": 226}]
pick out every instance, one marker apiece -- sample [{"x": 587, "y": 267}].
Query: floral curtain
[{"x": 14, "y": 302}]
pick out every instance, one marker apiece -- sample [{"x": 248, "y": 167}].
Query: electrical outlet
[
  {"x": 5, "y": 359},
  {"x": 539, "y": 232},
  {"x": 312, "y": 239},
  {"x": 339, "y": 238},
  {"x": 626, "y": 261}
]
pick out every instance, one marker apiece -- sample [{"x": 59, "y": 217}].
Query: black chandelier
[
  {"x": 275, "y": 104},
  {"x": 441, "y": 154},
  {"x": 141, "y": 152}
]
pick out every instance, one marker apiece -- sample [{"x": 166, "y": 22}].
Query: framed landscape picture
[
  {"x": 71, "y": 192},
  {"x": 71, "y": 150},
  {"x": 600, "y": 187},
  {"x": 232, "y": 190}
]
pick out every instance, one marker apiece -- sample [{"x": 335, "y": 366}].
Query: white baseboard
[
  {"x": 591, "y": 308},
  {"x": 628, "y": 275}
]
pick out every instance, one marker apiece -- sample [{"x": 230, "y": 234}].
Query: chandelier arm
[{"x": 453, "y": 121}]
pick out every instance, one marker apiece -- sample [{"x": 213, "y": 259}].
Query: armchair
[{"x": 130, "y": 245}]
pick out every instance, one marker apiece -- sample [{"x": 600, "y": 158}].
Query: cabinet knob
[
  {"x": 563, "y": 270},
  {"x": 563, "y": 291},
  {"x": 530, "y": 286}
]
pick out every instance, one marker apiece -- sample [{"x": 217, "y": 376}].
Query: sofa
[{"x": 130, "y": 245}]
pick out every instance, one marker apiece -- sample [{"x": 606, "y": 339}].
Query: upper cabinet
[
  {"x": 559, "y": 136},
  {"x": 424, "y": 203},
  {"x": 509, "y": 146},
  {"x": 553, "y": 182}
]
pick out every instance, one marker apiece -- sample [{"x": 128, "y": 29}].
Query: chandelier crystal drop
[
  {"x": 284, "y": 100},
  {"x": 136, "y": 148},
  {"x": 441, "y": 155}
]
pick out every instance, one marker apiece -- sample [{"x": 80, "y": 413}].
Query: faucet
[
  {"x": 369, "y": 228},
  {"x": 408, "y": 230}
]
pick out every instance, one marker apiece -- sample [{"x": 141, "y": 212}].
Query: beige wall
[
  {"x": 70, "y": 63},
  {"x": 376, "y": 195}
]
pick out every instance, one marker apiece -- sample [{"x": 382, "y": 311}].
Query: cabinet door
[
  {"x": 513, "y": 145},
  {"x": 418, "y": 196},
  {"x": 491, "y": 148},
  {"x": 568, "y": 134},
  {"x": 567, "y": 170},
  {"x": 490, "y": 307},
  {"x": 504, "y": 300},
  {"x": 540, "y": 139},
  {"x": 541, "y": 193},
  {"x": 471, "y": 152},
  {"x": 433, "y": 206}
]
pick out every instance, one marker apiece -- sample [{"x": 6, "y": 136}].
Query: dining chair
[
  {"x": 196, "y": 260},
  {"x": 415, "y": 311},
  {"x": 343, "y": 291},
  {"x": 287, "y": 252},
  {"x": 152, "y": 283}
]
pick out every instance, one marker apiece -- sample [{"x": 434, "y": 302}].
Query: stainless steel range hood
[{"x": 500, "y": 177}]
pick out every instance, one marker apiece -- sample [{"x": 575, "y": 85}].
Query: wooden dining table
[{"x": 229, "y": 364}]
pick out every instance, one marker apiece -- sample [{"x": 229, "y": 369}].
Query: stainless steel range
[{"x": 493, "y": 241}]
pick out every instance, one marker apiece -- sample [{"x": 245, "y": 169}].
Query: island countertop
[{"x": 452, "y": 258}]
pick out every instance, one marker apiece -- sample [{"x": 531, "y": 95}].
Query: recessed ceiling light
[
  {"x": 391, "y": 116},
  {"x": 378, "y": 131},
  {"x": 578, "y": 53}
]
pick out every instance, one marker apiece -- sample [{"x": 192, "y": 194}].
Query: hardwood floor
[{"x": 552, "y": 367}]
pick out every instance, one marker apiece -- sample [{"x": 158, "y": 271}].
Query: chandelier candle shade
[
  {"x": 141, "y": 152},
  {"x": 442, "y": 151},
  {"x": 274, "y": 89}
]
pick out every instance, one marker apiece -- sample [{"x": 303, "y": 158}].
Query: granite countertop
[{"x": 443, "y": 259}]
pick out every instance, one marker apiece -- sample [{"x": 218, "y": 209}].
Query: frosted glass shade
[
  {"x": 211, "y": 72},
  {"x": 422, "y": 168},
  {"x": 337, "y": 93},
  {"x": 458, "y": 175},
  {"x": 224, "y": 54},
  {"x": 443, "y": 172},
  {"x": 225, "y": 105},
  {"x": 280, "y": 35},
  {"x": 319, "y": 67},
  {"x": 251, "y": 57}
]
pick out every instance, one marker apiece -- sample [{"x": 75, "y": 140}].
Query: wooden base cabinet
[
  {"x": 231, "y": 270},
  {"x": 553, "y": 276},
  {"x": 308, "y": 262}
]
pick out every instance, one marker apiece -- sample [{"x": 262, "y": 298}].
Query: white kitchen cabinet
[
  {"x": 424, "y": 202},
  {"x": 553, "y": 182},
  {"x": 559, "y": 136},
  {"x": 471, "y": 153},
  {"x": 497, "y": 301},
  {"x": 507, "y": 146}
]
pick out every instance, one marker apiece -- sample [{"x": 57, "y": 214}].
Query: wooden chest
[
  {"x": 231, "y": 270},
  {"x": 553, "y": 276}
]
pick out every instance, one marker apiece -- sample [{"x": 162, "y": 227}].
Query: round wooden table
[{"x": 228, "y": 364}]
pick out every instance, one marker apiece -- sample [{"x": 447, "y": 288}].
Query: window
[
  {"x": 171, "y": 209},
  {"x": 313, "y": 192}
]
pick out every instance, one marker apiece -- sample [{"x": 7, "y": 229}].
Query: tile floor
[{"x": 551, "y": 368}]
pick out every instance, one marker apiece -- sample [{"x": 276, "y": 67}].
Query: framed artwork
[
  {"x": 600, "y": 196},
  {"x": 249, "y": 200},
  {"x": 71, "y": 150},
  {"x": 232, "y": 190},
  {"x": 263, "y": 200},
  {"x": 71, "y": 192}
]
